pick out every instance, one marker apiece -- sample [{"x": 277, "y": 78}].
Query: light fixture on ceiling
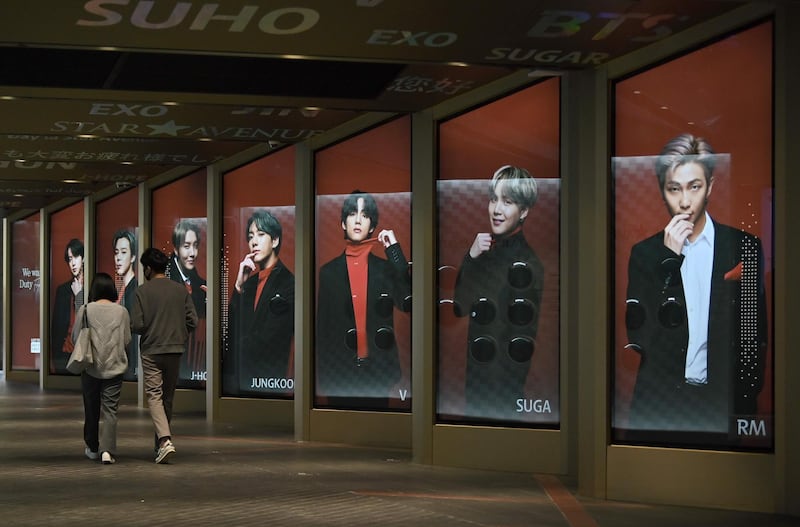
[
  {"x": 544, "y": 72},
  {"x": 70, "y": 181}
]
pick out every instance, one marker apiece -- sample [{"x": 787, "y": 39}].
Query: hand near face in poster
[
  {"x": 246, "y": 267},
  {"x": 77, "y": 285},
  {"x": 677, "y": 230},
  {"x": 387, "y": 237},
  {"x": 482, "y": 243}
]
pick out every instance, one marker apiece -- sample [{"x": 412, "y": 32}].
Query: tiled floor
[{"x": 231, "y": 475}]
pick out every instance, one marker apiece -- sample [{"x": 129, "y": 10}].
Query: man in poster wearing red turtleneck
[
  {"x": 261, "y": 315},
  {"x": 357, "y": 359}
]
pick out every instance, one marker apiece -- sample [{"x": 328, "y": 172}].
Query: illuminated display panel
[
  {"x": 692, "y": 297},
  {"x": 498, "y": 262},
  {"x": 257, "y": 278},
  {"x": 67, "y": 289},
  {"x": 362, "y": 356},
  {"x": 25, "y": 283},
  {"x": 117, "y": 253},
  {"x": 179, "y": 229}
]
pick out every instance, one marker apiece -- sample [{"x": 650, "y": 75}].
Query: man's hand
[
  {"x": 245, "y": 268},
  {"x": 676, "y": 232},
  {"x": 387, "y": 237},
  {"x": 482, "y": 243}
]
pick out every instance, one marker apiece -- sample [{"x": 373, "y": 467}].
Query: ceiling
[{"x": 109, "y": 93}]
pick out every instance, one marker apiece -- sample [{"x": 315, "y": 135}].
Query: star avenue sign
[
  {"x": 173, "y": 129},
  {"x": 168, "y": 128}
]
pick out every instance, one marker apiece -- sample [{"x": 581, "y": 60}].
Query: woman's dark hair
[{"x": 103, "y": 288}]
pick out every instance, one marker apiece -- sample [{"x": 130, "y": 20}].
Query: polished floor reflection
[{"x": 226, "y": 474}]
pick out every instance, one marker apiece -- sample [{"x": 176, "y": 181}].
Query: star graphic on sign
[{"x": 169, "y": 128}]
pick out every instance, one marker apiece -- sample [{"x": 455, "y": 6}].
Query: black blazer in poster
[{"x": 339, "y": 371}]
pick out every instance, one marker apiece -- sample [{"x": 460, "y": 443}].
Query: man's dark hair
[
  {"x": 350, "y": 205},
  {"x": 268, "y": 223},
  {"x": 683, "y": 149},
  {"x": 155, "y": 260},
  {"x": 128, "y": 235},
  {"x": 103, "y": 288},
  {"x": 74, "y": 246}
]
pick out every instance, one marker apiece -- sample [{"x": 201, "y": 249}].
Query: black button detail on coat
[
  {"x": 384, "y": 305},
  {"x": 671, "y": 272},
  {"x": 350, "y": 339},
  {"x": 483, "y": 311},
  {"x": 278, "y": 305},
  {"x": 670, "y": 314},
  {"x": 384, "y": 338},
  {"x": 520, "y": 275},
  {"x": 361, "y": 362},
  {"x": 521, "y": 312},
  {"x": 407, "y": 304},
  {"x": 635, "y": 314},
  {"x": 520, "y": 349},
  {"x": 483, "y": 349}
]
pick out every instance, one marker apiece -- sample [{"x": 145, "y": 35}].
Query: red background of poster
[
  {"x": 115, "y": 213},
  {"x": 64, "y": 225},
  {"x": 25, "y": 314},
  {"x": 521, "y": 129},
  {"x": 377, "y": 161},
  {"x": 183, "y": 198},
  {"x": 722, "y": 92}
]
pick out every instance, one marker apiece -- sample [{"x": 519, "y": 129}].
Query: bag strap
[{"x": 85, "y": 322}]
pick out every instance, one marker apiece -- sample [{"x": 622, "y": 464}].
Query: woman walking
[{"x": 102, "y": 382}]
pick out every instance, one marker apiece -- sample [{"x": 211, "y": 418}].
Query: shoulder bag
[{"x": 82, "y": 355}]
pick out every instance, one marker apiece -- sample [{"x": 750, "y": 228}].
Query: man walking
[{"x": 164, "y": 315}]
